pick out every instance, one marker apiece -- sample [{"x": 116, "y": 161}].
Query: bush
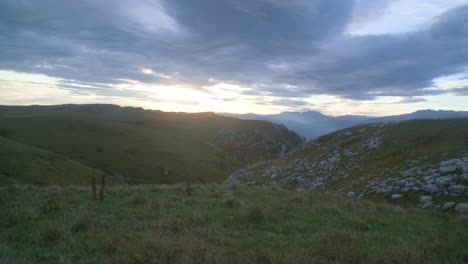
[
  {"x": 139, "y": 199},
  {"x": 49, "y": 233},
  {"x": 339, "y": 246},
  {"x": 256, "y": 214},
  {"x": 231, "y": 202},
  {"x": 83, "y": 222},
  {"x": 155, "y": 205},
  {"x": 296, "y": 200},
  {"x": 52, "y": 204}
]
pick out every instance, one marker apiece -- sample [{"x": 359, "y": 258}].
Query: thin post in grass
[
  {"x": 188, "y": 186},
  {"x": 103, "y": 185},
  {"x": 93, "y": 188},
  {"x": 94, "y": 191}
]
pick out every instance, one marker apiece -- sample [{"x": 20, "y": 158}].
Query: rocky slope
[
  {"x": 421, "y": 162},
  {"x": 264, "y": 140}
]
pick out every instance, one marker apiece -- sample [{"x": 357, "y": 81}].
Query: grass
[
  {"x": 142, "y": 147},
  {"x": 216, "y": 224},
  {"x": 25, "y": 163}
]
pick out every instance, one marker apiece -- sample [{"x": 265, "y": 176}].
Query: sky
[{"x": 370, "y": 57}]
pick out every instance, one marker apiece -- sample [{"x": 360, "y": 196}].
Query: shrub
[
  {"x": 231, "y": 202},
  {"x": 171, "y": 203},
  {"x": 336, "y": 246},
  {"x": 49, "y": 233},
  {"x": 256, "y": 214},
  {"x": 139, "y": 199},
  {"x": 214, "y": 194},
  {"x": 53, "y": 203},
  {"x": 155, "y": 205},
  {"x": 296, "y": 200},
  {"x": 83, "y": 222}
]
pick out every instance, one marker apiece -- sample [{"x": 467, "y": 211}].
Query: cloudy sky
[{"x": 374, "y": 57}]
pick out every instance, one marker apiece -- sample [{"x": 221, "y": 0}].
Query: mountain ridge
[{"x": 312, "y": 124}]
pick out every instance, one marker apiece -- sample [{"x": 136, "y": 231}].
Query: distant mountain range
[{"x": 313, "y": 124}]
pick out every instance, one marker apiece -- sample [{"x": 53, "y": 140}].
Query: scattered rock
[
  {"x": 462, "y": 208},
  {"x": 448, "y": 168},
  {"x": 396, "y": 196},
  {"x": 448, "y": 205},
  {"x": 426, "y": 204},
  {"x": 458, "y": 189},
  {"x": 350, "y": 195},
  {"x": 444, "y": 181},
  {"x": 425, "y": 198},
  {"x": 430, "y": 188},
  {"x": 464, "y": 176}
]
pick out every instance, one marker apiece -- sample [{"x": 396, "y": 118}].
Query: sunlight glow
[{"x": 221, "y": 97}]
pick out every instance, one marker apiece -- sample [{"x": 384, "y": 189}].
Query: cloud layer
[{"x": 286, "y": 50}]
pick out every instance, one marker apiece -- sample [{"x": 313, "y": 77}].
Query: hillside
[
  {"x": 24, "y": 163},
  {"x": 420, "y": 162},
  {"x": 312, "y": 124},
  {"x": 161, "y": 224},
  {"x": 142, "y": 146}
]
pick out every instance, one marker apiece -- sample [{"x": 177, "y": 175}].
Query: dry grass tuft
[
  {"x": 256, "y": 214},
  {"x": 84, "y": 221},
  {"x": 231, "y": 202},
  {"x": 139, "y": 199},
  {"x": 336, "y": 246}
]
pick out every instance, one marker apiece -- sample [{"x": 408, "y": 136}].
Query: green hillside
[
  {"x": 161, "y": 224},
  {"x": 142, "y": 146},
  {"x": 422, "y": 162},
  {"x": 24, "y": 163}
]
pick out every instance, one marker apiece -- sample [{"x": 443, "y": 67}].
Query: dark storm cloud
[
  {"x": 463, "y": 91},
  {"x": 410, "y": 100},
  {"x": 398, "y": 65},
  {"x": 288, "y": 49}
]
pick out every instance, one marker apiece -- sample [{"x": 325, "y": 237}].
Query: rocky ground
[{"x": 358, "y": 163}]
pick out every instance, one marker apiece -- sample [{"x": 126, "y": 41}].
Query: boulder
[
  {"x": 425, "y": 198},
  {"x": 350, "y": 195},
  {"x": 458, "y": 189},
  {"x": 384, "y": 189},
  {"x": 430, "y": 188},
  {"x": 444, "y": 181},
  {"x": 464, "y": 176},
  {"x": 396, "y": 196},
  {"x": 400, "y": 182},
  {"x": 406, "y": 189},
  {"x": 447, "y": 168},
  {"x": 448, "y": 205},
  {"x": 462, "y": 208},
  {"x": 426, "y": 204}
]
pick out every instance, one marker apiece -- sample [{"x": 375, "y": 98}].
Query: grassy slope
[
  {"x": 24, "y": 163},
  {"x": 436, "y": 140},
  {"x": 145, "y": 146},
  {"x": 158, "y": 224}
]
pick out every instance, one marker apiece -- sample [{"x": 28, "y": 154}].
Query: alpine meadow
[{"x": 234, "y": 131}]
